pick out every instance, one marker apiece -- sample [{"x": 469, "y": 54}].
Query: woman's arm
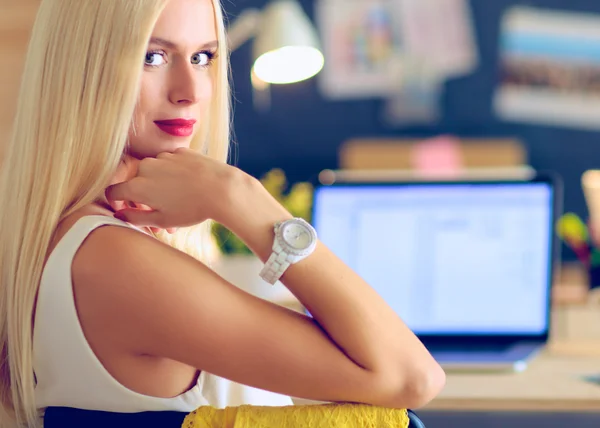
[
  {"x": 355, "y": 349},
  {"x": 354, "y": 316}
]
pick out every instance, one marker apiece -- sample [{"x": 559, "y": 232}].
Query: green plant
[{"x": 298, "y": 201}]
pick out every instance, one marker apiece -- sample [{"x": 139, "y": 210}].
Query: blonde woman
[{"x": 105, "y": 301}]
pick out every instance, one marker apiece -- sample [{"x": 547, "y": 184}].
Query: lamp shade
[{"x": 286, "y": 47}]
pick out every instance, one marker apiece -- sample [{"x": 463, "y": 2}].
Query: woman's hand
[
  {"x": 181, "y": 189},
  {"x": 126, "y": 171}
]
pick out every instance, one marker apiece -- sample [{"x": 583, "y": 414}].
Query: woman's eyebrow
[{"x": 171, "y": 45}]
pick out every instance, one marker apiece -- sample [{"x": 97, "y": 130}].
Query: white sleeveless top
[{"x": 69, "y": 374}]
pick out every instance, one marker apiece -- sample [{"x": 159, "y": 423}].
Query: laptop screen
[{"x": 450, "y": 258}]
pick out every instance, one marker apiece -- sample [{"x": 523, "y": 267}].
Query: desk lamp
[{"x": 286, "y": 46}]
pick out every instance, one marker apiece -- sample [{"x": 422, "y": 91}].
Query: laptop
[{"x": 467, "y": 264}]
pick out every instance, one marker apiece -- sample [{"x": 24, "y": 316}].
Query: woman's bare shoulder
[
  {"x": 137, "y": 296},
  {"x": 67, "y": 223}
]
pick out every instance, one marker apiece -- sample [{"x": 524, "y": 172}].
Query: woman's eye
[
  {"x": 154, "y": 59},
  {"x": 202, "y": 59}
]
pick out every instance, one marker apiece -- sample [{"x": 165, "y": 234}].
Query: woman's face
[{"x": 177, "y": 82}]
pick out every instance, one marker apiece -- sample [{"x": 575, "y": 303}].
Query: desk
[
  {"x": 551, "y": 383},
  {"x": 549, "y": 393}
]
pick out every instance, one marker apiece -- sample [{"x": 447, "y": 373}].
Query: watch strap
[{"x": 276, "y": 265}]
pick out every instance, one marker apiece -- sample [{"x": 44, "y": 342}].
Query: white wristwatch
[{"x": 295, "y": 239}]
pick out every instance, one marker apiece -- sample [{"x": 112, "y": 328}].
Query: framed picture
[
  {"x": 550, "y": 68},
  {"x": 361, "y": 42}
]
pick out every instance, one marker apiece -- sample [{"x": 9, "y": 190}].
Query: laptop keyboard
[{"x": 474, "y": 347}]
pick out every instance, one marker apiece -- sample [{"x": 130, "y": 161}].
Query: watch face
[{"x": 297, "y": 236}]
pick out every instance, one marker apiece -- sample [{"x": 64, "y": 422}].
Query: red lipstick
[{"x": 177, "y": 127}]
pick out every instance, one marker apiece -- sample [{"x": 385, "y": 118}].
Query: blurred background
[
  {"x": 309, "y": 122},
  {"x": 306, "y": 126}
]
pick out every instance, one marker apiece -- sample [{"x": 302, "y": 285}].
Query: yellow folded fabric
[{"x": 317, "y": 416}]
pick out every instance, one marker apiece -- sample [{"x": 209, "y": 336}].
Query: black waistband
[{"x": 65, "y": 417}]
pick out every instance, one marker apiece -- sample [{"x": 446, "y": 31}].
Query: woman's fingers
[
  {"x": 142, "y": 218},
  {"x": 130, "y": 191}
]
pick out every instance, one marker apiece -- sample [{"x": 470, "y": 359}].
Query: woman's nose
[{"x": 185, "y": 85}]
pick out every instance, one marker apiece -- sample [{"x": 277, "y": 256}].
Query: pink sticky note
[{"x": 438, "y": 156}]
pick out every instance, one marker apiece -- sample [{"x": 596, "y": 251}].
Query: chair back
[{"x": 65, "y": 417}]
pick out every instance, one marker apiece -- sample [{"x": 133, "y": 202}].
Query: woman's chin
[
  {"x": 158, "y": 146},
  {"x": 170, "y": 145}
]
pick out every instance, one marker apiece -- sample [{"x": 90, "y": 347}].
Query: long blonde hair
[{"x": 79, "y": 91}]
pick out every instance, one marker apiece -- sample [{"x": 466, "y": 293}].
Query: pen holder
[
  {"x": 593, "y": 266},
  {"x": 594, "y": 276},
  {"x": 594, "y": 290}
]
